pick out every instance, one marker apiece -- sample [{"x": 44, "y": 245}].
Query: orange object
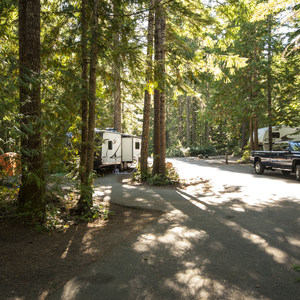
[
  {"x": 169, "y": 165},
  {"x": 10, "y": 164}
]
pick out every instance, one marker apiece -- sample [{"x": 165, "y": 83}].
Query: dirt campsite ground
[{"x": 36, "y": 262}]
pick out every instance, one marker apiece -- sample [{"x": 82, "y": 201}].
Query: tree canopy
[{"x": 223, "y": 69}]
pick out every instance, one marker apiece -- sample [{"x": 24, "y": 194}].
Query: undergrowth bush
[
  {"x": 174, "y": 152},
  {"x": 171, "y": 177},
  {"x": 246, "y": 155},
  {"x": 191, "y": 151},
  {"x": 204, "y": 150},
  {"x": 8, "y": 200}
]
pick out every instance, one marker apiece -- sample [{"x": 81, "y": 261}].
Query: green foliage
[
  {"x": 246, "y": 155},
  {"x": 296, "y": 268},
  {"x": 211, "y": 60},
  {"x": 170, "y": 178},
  {"x": 204, "y": 150},
  {"x": 96, "y": 212},
  {"x": 8, "y": 198},
  {"x": 174, "y": 152},
  {"x": 59, "y": 218},
  {"x": 61, "y": 205},
  {"x": 191, "y": 151}
]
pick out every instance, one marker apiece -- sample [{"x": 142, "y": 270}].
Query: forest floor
[{"x": 36, "y": 262}]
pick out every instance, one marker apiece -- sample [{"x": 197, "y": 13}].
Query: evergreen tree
[
  {"x": 147, "y": 95},
  {"x": 32, "y": 190}
]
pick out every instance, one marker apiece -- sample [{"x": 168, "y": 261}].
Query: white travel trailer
[
  {"x": 131, "y": 148},
  {"x": 114, "y": 148},
  {"x": 279, "y": 133}
]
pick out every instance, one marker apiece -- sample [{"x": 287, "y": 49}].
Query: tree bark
[
  {"x": 194, "y": 121},
  {"x": 147, "y": 96},
  {"x": 84, "y": 101},
  {"x": 117, "y": 68},
  {"x": 32, "y": 190},
  {"x": 251, "y": 133},
  {"x": 206, "y": 125},
  {"x": 255, "y": 129},
  {"x": 159, "y": 166},
  {"x": 244, "y": 139},
  {"x": 92, "y": 88},
  {"x": 188, "y": 125},
  {"x": 269, "y": 82},
  {"x": 180, "y": 123},
  {"x": 162, "y": 168},
  {"x": 86, "y": 200},
  {"x": 157, "y": 91},
  {"x": 254, "y": 88}
]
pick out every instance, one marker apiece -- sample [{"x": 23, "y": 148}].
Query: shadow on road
[{"x": 199, "y": 249}]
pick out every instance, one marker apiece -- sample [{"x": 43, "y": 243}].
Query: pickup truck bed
[{"x": 284, "y": 157}]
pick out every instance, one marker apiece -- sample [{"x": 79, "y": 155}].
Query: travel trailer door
[
  {"x": 127, "y": 149},
  {"x": 111, "y": 148},
  {"x": 137, "y": 143}
]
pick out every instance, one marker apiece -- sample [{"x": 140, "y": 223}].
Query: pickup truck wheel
[
  {"x": 298, "y": 172},
  {"x": 259, "y": 168}
]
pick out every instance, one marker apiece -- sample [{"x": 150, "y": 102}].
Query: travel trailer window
[
  {"x": 137, "y": 145},
  {"x": 110, "y": 145},
  {"x": 275, "y": 135}
]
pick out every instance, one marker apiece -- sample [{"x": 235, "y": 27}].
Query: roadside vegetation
[{"x": 190, "y": 77}]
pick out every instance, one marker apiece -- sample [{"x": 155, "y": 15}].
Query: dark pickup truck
[{"x": 285, "y": 157}]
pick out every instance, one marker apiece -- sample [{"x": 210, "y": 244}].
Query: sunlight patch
[
  {"x": 237, "y": 208},
  {"x": 196, "y": 203},
  {"x": 195, "y": 284},
  {"x": 102, "y": 192},
  {"x": 72, "y": 289},
  {"x": 64, "y": 255},
  {"x": 293, "y": 241},
  {"x": 178, "y": 240},
  {"x": 278, "y": 255}
]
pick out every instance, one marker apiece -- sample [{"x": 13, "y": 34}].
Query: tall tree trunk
[
  {"x": 253, "y": 97},
  {"x": 157, "y": 91},
  {"x": 159, "y": 166},
  {"x": 162, "y": 168},
  {"x": 269, "y": 82},
  {"x": 206, "y": 126},
  {"x": 84, "y": 101},
  {"x": 117, "y": 67},
  {"x": 206, "y": 132},
  {"x": 251, "y": 133},
  {"x": 147, "y": 96},
  {"x": 92, "y": 88},
  {"x": 167, "y": 127},
  {"x": 255, "y": 129},
  {"x": 86, "y": 202},
  {"x": 32, "y": 190},
  {"x": 180, "y": 123},
  {"x": 188, "y": 125},
  {"x": 243, "y": 135},
  {"x": 254, "y": 87},
  {"x": 194, "y": 121}
]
